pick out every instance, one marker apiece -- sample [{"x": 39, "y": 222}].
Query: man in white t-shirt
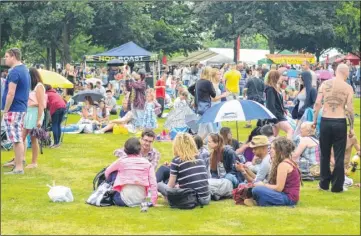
[{"x": 306, "y": 67}]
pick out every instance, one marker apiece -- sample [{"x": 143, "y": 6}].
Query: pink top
[
  {"x": 33, "y": 100},
  {"x": 134, "y": 170}
]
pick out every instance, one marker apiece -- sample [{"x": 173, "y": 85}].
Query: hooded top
[{"x": 311, "y": 94}]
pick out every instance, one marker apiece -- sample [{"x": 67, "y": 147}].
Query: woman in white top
[
  {"x": 215, "y": 79},
  {"x": 35, "y": 113}
]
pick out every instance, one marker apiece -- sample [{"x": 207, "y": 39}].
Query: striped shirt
[{"x": 191, "y": 174}]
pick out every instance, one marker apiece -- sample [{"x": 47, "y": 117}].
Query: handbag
[
  {"x": 201, "y": 105},
  {"x": 102, "y": 196},
  {"x": 183, "y": 198}
]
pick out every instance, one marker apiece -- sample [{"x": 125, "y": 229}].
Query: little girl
[{"x": 152, "y": 107}]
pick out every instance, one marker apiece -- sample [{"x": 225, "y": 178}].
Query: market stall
[
  {"x": 291, "y": 59},
  {"x": 127, "y": 53}
]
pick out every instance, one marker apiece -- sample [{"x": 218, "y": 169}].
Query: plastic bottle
[{"x": 144, "y": 206}]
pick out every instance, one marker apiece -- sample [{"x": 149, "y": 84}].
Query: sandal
[
  {"x": 10, "y": 163},
  {"x": 31, "y": 166}
]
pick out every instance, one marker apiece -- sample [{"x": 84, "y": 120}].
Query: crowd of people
[{"x": 273, "y": 165}]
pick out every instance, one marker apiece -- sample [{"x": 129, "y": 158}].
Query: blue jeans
[
  {"x": 56, "y": 119},
  {"x": 233, "y": 179},
  {"x": 267, "y": 197}
]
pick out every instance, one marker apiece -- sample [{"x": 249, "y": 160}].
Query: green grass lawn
[{"x": 27, "y": 209}]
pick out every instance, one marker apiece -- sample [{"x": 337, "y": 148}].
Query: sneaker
[
  {"x": 55, "y": 146},
  {"x": 348, "y": 182},
  {"x": 98, "y": 132},
  {"x": 250, "y": 202},
  {"x": 15, "y": 172}
]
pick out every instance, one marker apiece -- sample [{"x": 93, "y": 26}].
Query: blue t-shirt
[{"x": 20, "y": 76}]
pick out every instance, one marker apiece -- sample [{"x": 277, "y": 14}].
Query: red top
[
  {"x": 292, "y": 185},
  {"x": 160, "y": 92},
  {"x": 55, "y": 101}
]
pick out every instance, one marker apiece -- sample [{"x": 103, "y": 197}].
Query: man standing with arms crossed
[
  {"x": 14, "y": 104},
  {"x": 337, "y": 97}
]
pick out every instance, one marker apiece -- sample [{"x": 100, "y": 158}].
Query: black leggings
[{"x": 333, "y": 134}]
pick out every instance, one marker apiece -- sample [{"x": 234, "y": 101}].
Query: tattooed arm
[
  {"x": 349, "y": 111},
  {"x": 318, "y": 105}
]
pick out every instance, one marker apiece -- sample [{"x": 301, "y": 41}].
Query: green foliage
[{"x": 347, "y": 27}]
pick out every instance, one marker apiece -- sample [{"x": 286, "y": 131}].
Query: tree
[
  {"x": 58, "y": 23},
  {"x": 232, "y": 19},
  {"x": 159, "y": 26},
  {"x": 313, "y": 30},
  {"x": 347, "y": 27}
]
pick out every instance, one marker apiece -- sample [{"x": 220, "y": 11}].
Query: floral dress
[{"x": 150, "y": 118}]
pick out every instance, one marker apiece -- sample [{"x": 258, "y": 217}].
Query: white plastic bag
[{"x": 60, "y": 194}]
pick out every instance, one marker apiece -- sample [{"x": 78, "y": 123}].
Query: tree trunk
[
  {"x": 66, "y": 48},
  {"x": 235, "y": 59},
  {"x": 53, "y": 57},
  {"x": 318, "y": 54},
  {"x": 0, "y": 35},
  {"x": 47, "y": 58},
  {"x": 271, "y": 46}
]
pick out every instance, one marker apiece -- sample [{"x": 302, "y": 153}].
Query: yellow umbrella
[{"x": 54, "y": 79}]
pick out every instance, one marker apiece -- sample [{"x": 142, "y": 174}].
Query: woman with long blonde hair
[
  {"x": 274, "y": 103},
  {"x": 203, "y": 92},
  {"x": 283, "y": 188},
  {"x": 186, "y": 169}
]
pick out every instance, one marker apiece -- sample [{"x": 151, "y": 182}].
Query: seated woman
[
  {"x": 223, "y": 159},
  {"x": 164, "y": 170},
  {"x": 102, "y": 116},
  {"x": 88, "y": 112},
  {"x": 226, "y": 134},
  {"x": 127, "y": 121},
  {"x": 283, "y": 188},
  {"x": 187, "y": 169},
  {"x": 133, "y": 176},
  {"x": 308, "y": 146}
]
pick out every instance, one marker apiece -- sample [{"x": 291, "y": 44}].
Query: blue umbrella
[
  {"x": 236, "y": 110},
  {"x": 291, "y": 73}
]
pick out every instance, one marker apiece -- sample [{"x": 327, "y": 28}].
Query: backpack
[
  {"x": 242, "y": 192},
  {"x": 183, "y": 198},
  {"x": 99, "y": 178}
]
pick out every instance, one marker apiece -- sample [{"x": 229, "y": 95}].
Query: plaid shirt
[{"x": 153, "y": 156}]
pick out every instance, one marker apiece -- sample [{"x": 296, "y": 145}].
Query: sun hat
[{"x": 259, "y": 141}]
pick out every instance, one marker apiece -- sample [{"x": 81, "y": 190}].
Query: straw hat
[{"x": 259, "y": 141}]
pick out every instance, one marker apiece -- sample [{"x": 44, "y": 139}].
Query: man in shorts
[{"x": 14, "y": 104}]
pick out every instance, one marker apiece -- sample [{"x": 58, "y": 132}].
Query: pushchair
[{"x": 5, "y": 143}]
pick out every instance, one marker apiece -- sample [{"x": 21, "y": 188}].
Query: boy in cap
[{"x": 259, "y": 145}]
